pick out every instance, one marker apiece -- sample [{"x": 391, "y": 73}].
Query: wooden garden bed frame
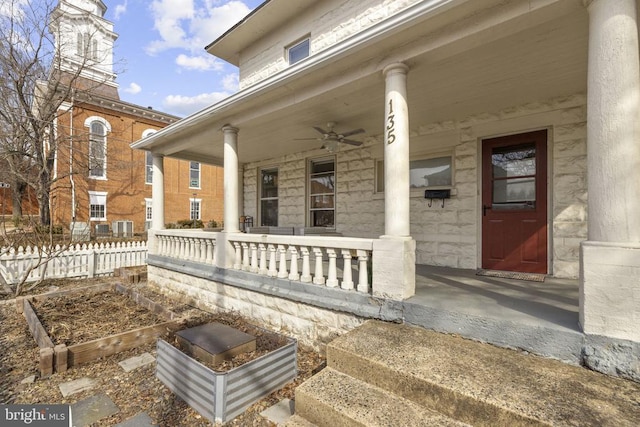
[{"x": 59, "y": 358}]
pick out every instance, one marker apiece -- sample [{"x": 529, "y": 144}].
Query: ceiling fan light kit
[{"x": 331, "y": 146}]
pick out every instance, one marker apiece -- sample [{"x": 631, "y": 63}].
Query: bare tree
[{"x": 36, "y": 83}]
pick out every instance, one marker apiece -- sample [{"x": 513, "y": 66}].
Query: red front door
[{"x": 514, "y": 203}]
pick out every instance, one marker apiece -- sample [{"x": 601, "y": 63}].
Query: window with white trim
[
  {"x": 98, "y": 129},
  {"x": 148, "y": 167},
  {"x": 194, "y": 175},
  {"x": 97, "y": 205},
  {"x": 322, "y": 192},
  {"x": 195, "y": 209},
  {"x": 269, "y": 197},
  {"x": 424, "y": 172},
  {"x": 148, "y": 209},
  {"x": 298, "y": 51},
  {"x": 148, "y": 160}
]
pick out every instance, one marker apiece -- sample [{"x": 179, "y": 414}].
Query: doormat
[{"x": 532, "y": 277}]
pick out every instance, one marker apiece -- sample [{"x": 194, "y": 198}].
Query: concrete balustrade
[
  {"x": 292, "y": 257},
  {"x": 332, "y": 260},
  {"x": 197, "y": 246}
]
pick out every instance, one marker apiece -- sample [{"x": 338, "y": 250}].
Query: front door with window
[{"x": 514, "y": 203}]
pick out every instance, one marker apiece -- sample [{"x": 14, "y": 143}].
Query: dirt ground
[{"x": 86, "y": 316}]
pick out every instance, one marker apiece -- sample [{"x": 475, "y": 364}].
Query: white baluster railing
[
  {"x": 334, "y": 259},
  {"x": 196, "y": 246}
]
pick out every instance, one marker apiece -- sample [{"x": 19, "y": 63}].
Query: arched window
[
  {"x": 98, "y": 128},
  {"x": 148, "y": 177}
]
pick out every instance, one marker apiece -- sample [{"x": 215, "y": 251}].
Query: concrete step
[
  {"x": 331, "y": 398},
  {"x": 477, "y": 383}
]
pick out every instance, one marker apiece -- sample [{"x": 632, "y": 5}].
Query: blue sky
[{"x": 160, "y": 56}]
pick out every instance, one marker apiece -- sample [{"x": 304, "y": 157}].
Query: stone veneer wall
[
  {"x": 328, "y": 22},
  {"x": 450, "y": 236},
  {"x": 311, "y": 325}
]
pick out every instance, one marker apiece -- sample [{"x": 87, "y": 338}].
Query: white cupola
[{"x": 84, "y": 39}]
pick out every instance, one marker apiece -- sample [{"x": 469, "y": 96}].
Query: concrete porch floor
[{"x": 539, "y": 317}]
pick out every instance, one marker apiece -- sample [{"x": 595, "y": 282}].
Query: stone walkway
[{"x": 99, "y": 406}]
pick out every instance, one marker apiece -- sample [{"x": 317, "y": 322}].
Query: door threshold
[{"x": 532, "y": 277}]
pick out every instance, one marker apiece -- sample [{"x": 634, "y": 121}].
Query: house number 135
[{"x": 391, "y": 125}]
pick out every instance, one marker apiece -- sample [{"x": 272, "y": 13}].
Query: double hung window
[
  {"x": 194, "y": 175},
  {"x": 424, "y": 172},
  {"x": 322, "y": 193},
  {"x": 269, "y": 197},
  {"x": 194, "y": 210},
  {"x": 97, "y": 205}
]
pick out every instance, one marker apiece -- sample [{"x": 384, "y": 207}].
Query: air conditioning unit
[
  {"x": 122, "y": 228},
  {"x": 80, "y": 231},
  {"x": 102, "y": 230}
]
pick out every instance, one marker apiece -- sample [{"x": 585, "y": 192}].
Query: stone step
[
  {"x": 332, "y": 398},
  {"x": 480, "y": 384}
]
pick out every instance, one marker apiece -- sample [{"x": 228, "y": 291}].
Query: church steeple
[{"x": 84, "y": 40}]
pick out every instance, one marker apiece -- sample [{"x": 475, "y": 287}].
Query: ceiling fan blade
[
  {"x": 307, "y": 139},
  {"x": 351, "y": 142},
  {"x": 320, "y": 130},
  {"x": 353, "y": 132}
]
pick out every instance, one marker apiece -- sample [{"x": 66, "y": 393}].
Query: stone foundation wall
[{"x": 312, "y": 326}]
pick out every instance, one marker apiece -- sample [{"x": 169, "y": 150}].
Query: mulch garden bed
[
  {"x": 135, "y": 391},
  {"x": 64, "y": 317}
]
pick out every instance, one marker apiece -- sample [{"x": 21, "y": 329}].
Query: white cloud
[
  {"x": 120, "y": 9},
  {"x": 185, "y": 105},
  {"x": 192, "y": 24},
  {"x": 133, "y": 88},
  {"x": 230, "y": 82},
  {"x": 198, "y": 63}
]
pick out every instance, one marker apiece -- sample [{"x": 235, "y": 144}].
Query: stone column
[
  {"x": 394, "y": 254},
  {"x": 231, "y": 191},
  {"x": 610, "y": 258},
  {"x": 157, "y": 192},
  {"x": 396, "y": 152}
]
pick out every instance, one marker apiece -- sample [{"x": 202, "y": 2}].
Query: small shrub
[
  {"x": 189, "y": 223},
  {"x": 45, "y": 229}
]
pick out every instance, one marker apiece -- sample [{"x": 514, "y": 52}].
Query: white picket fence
[{"x": 86, "y": 260}]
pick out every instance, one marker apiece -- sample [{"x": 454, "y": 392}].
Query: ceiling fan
[{"x": 331, "y": 138}]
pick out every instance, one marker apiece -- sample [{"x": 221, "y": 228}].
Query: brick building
[{"x": 101, "y": 181}]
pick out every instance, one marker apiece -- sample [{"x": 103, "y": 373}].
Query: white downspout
[{"x": 73, "y": 184}]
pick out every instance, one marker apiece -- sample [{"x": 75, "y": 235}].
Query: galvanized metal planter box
[{"x": 221, "y": 396}]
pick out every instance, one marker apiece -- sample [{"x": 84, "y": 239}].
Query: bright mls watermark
[{"x": 35, "y": 415}]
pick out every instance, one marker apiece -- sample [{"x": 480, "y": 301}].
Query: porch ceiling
[{"x": 527, "y": 58}]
